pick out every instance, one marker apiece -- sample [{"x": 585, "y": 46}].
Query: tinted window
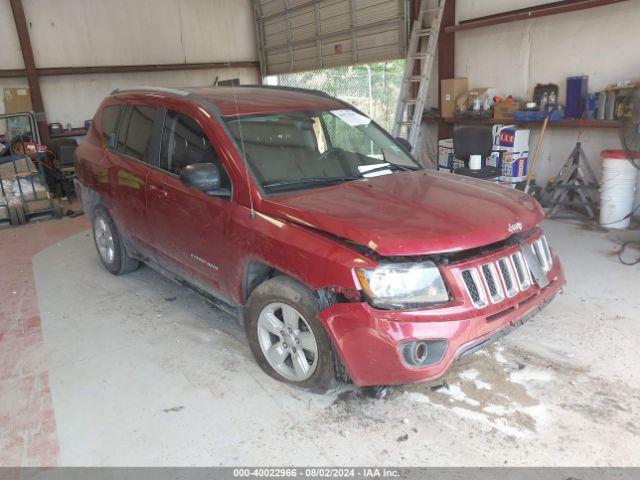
[
  {"x": 136, "y": 130},
  {"x": 109, "y": 124},
  {"x": 185, "y": 143}
]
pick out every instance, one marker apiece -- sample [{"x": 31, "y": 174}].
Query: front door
[{"x": 189, "y": 226}]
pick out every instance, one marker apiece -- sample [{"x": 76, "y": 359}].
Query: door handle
[{"x": 159, "y": 191}]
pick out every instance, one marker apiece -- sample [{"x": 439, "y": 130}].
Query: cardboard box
[
  {"x": 505, "y": 110},
  {"x": 509, "y": 136},
  {"x": 17, "y": 100},
  {"x": 445, "y": 155},
  {"x": 512, "y": 163},
  {"x": 450, "y": 90}
]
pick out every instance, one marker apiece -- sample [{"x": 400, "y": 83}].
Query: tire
[
  {"x": 109, "y": 244},
  {"x": 276, "y": 298}
]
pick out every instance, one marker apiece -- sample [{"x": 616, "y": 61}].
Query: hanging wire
[{"x": 252, "y": 213}]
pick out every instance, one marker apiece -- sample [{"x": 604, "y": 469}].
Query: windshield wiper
[
  {"x": 390, "y": 167},
  {"x": 310, "y": 181}
]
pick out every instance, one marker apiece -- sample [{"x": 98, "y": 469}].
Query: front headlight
[{"x": 403, "y": 284}]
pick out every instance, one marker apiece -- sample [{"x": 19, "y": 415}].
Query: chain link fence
[{"x": 373, "y": 88}]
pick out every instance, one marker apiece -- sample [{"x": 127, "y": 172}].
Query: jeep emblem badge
[{"x": 514, "y": 227}]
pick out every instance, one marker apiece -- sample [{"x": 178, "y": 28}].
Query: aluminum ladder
[{"x": 420, "y": 56}]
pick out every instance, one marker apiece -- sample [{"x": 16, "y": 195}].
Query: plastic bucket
[{"x": 618, "y": 189}]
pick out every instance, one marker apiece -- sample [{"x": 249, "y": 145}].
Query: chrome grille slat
[
  {"x": 508, "y": 276},
  {"x": 492, "y": 283},
  {"x": 473, "y": 285},
  {"x": 542, "y": 259},
  {"x": 546, "y": 250},
  {"x": 522, "y": 270}
]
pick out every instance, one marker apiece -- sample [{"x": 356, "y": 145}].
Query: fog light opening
[{"x": 419, "y": 352}]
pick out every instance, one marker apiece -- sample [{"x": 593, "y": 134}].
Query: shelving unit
[
  {"x": 446, "y": 55},
  {"x": 74, "y": 132},
  {"x": 568, "y": 123}
]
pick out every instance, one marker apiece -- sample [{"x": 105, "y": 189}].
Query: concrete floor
[{"x": 135, "y": 370}]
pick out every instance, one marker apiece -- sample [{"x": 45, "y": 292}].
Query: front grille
[{"x": 506, "y": 277}]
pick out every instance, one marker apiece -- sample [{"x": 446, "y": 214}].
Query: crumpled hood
[{"x": 411, "y": 213}]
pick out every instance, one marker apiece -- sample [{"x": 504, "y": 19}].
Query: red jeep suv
[{"x": 345, "y": 259}]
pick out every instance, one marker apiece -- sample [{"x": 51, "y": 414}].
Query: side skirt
[{"x": 227, "y": 306}]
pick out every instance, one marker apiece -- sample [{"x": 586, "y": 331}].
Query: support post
[
  {"x": 30, "y": 69},
  {"x": 446, "y": 61}
]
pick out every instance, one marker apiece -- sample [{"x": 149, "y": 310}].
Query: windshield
[{"x": 309, "y": 149}]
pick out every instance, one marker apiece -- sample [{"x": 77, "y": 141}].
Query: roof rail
[
  {"x": 172, "y": 91},
  {"x": 293, "y": 89}
]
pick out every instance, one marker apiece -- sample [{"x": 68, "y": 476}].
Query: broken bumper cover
[{"x": 369, "y": 341}]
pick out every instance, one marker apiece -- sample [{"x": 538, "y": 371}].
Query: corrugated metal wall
[
  {"x": 68, "y": 33},
  {"x": 298, "y": 35}
]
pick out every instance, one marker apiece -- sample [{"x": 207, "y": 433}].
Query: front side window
[
  {"x": 307, "y": 149},
  {"x": 136, "y": 132},
  {"x": 109, "y": 120},
  {"x": 185, "y": 143}
]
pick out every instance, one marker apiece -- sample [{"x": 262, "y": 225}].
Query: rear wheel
[
  {"x": 285, "y": 336},
  {"x": 109, "y": 243}
]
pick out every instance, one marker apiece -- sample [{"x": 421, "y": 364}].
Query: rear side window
[
  {"x": 185, "y": 143},
  {"x": 136, "y": 132},
  {"x": 109, "y": 119}
]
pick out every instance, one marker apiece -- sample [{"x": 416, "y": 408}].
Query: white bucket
[{"x": 618, "y": 189}]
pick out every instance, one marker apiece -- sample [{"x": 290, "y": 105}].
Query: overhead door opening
[{"x": 298, "y": 35}]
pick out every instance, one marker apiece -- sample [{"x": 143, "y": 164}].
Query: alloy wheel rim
[
  {"x": 104, "y": 240},
  {"x": 287, "y": 342}
]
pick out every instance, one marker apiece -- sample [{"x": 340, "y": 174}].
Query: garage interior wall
[
  {"x": 69, "y": 33},
  {"x": 601, "y": 42}
]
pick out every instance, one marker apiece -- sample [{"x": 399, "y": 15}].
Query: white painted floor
[{"x": 145, "y": 372}]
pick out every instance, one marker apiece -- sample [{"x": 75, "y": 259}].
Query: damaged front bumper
[{"x": 370, "y": 341}]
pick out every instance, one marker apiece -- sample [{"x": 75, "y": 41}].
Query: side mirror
[
  {"x": 404, "y": 143},
  {"x": 204, "y": 177}
]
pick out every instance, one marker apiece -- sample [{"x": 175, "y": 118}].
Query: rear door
[
  {"x": 133, "y": 154},
  {"x": 189, "y": 226}
]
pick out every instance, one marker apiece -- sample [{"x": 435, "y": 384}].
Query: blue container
[{"x": 576, "y": 93}]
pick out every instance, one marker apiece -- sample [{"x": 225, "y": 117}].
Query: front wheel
[{"x": 285, "y": 336}]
